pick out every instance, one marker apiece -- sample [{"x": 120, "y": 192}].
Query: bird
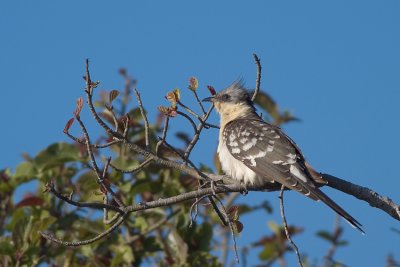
[{"x": 255, "y": 152}]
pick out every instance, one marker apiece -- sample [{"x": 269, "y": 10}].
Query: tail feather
[{"x": 339, "y": 210}]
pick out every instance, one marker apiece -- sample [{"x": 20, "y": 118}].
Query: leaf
[
  {"x": 173, "y": 97},
  {"x": 6, "y": 247},
  {"x": 79, "y": 106},
  {"x": 30, "y": 201},
  {"x": 113, "y": 95},
  {"x": 326, "y": 235},
  {"x": 178, "y": 247},
  {"x": 56, "y": 154},
  {"x": 25, "y": 171},
  {"x": 274, "y": 227},
  {"x": 269, "y": 252},
  {"x": 266, "y": 102},
  {"x": 193, "y": 83},
  {"x": 237, "y": 227},
  {"x": 211, "y": 89},
  {"x": 168, "y": 111},
  {"x": 233, "y": 213},
  {"x": 177, "y": 94},
  {"x": 68, "y": 125},
  {"x": 266, "y": 206},
  {"x": 184, "y": 137}
]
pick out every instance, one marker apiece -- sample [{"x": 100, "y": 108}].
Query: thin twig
[
  {"x": 105, "y": 213},
  {"x": 114, "y": 117},
  {"x": 189, "y": 110},
  {"x": 88, "y": 241},
  {"x": 189, "y": 119},
  {"x": 106, "y": 186},
  {"x": 89, "y": 148},
  {"x": 231, "y": 228},
  {"x": 198, "y": 117},
  {"x": 197, "y": 134},
  {"x": 195, "y": 207},
  {"x": 134, "y": 170},
  {"x": 296, "y": 249},
  {"x": 188, "y": 161},
  {"x": 199, "y": 102},
  {"x": 258, "y": 80},
  {"x": 164, "y": 134},
  {"x": 93, "y": 205},
  {"x": 77, "y": 140},
  {"x": 144, "y": 116},
  {"x": 89, "y": 93},
  {"x": 337, "y": 232},
  {"x": 153, "y": 227}
]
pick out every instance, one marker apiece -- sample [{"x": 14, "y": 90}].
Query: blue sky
[{"x": 334, "y": 64}]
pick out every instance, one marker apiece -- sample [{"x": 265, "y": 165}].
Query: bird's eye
[{"x": 225, "y": 97}]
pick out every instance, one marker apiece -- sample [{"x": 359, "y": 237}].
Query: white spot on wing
[
  {"x": 235, "y": 150},
  {"x": 233, "y": 143},
  {"x": 250, "y": 144},
  {"x": 277, "y": 162},
  {"x": 270, "y": 148},
  {"x": 291, "y": 156},
  {"x": 245, "y": 133},
  {"x": 296, "y": 172}
]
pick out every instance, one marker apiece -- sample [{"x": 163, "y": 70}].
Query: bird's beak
[{"x": 208, "y": 99}]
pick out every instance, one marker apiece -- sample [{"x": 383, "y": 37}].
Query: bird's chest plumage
[{"x": 233, "y": 167}]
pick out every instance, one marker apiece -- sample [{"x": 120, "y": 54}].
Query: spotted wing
[
  {"x": 272, "y": 155},
  {"x": 267, "y": 151}
]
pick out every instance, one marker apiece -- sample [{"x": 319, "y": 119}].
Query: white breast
[{"x": 235, "y": 168}]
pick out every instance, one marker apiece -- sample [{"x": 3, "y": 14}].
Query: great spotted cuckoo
[{"x": 255, "y": 152}]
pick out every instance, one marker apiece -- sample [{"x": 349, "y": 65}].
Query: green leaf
[
  {"x": 274, "y": 227},
  {"x": 55, "y": 155},
  {"x": 266, "y": 102},
  {"x": 203, "y": 236},
  {"x": 25, "y": 171},
  {"x": 177, "y": 246},
  {"x": 141, "y": 223},
  {"x": 270, "y": 251},
  {"x": 6, "y": 247},
  {"x": 326, "y": 235}
]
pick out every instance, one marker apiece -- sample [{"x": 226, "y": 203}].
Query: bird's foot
[{"x": 243, "y": 190}]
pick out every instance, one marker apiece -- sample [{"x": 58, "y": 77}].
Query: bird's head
[{"x": 233, "y": 102}]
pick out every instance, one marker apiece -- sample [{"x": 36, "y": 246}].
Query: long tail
[{"x": 328, "y": 201}]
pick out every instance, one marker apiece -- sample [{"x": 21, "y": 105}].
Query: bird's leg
[{"x": 243, "y": 190}]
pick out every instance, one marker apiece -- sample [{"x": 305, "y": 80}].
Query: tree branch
[{"x": 363, "y": 193}]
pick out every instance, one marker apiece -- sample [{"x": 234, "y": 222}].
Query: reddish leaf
[
  {"x": 169, "y": 111},
  {"x": 113, "y": 95},
  {"x": 79, "y": 106},
  {"x": 30, "y": 201},
  {"x": 173, "y": 113},
  {"x": 122, "y": 71},
  {"x": 238, "y": 226},
  {"x": 211, "y": 89},
  {"x": 68, "y": 125},
  {"x": 233, "y": 213}
]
